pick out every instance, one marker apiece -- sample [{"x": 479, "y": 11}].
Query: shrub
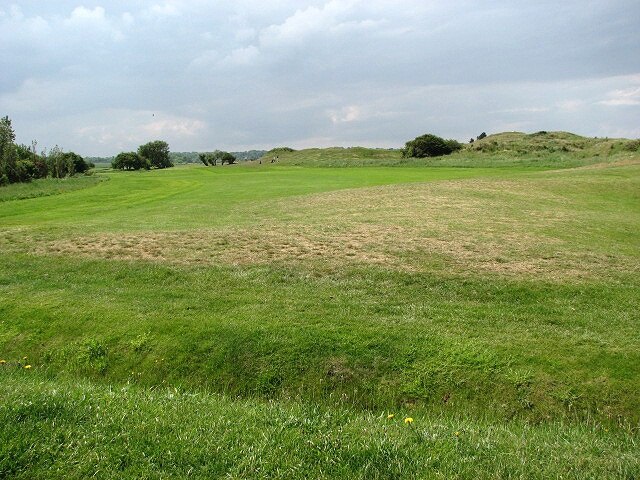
[
  {"x": 430, "y": 145},
  {"x": 130, "y": 161},
  {"x": 633, "y": 146}
]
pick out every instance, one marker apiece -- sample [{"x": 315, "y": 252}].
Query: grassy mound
[
  {"x": 334, "y": 157},
  {"x": 540, "y": 149}
]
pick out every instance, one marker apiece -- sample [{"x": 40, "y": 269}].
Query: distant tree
[
  {"x": 8, "y": 154},
  {"x": 227, "y": 157},
  {"x": 430, "y": 145},
  {"x": 212, "y": 158},
  {"x": 157, "y": 153},
  {"x": 32, "y": 164},
  {"x": 59, "y": 164},
  {"x": 130, "y": 161},
  {"x": 79, "y": 165},
  {"x": 471, "y": 140},
  {"x": 481, "y": 136}
]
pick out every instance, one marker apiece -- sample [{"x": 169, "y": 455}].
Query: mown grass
[
  {"x": 500, "y": 302},
  {"x": 79, "y": 430}
]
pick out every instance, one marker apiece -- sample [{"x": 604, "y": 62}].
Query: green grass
[
  {"x": 47, "y": 186},
  {"x": 292, "y": 308},
  {"x": 79, "y": 430}
]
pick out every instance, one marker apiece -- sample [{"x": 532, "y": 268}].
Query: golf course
[{"x": 337, "y": 313}]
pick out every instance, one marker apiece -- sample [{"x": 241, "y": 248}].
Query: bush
[
  {"x": 130, "y": 161},
  {"x": 79, "y": 165},
  {"x": 633, "y": 146},
  {"x": 430, "y": 145}
]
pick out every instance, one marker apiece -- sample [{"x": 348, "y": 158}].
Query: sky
[{"x": 100, "y": 77}]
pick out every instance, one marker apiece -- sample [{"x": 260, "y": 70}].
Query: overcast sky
[{"x": 99, "y": 77}]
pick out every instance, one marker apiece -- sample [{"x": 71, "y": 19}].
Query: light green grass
[{"x": 486, "y": 295}]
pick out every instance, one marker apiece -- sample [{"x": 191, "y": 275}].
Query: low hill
[
  {"x": 543, "y": 143},
  {"x": 334, "y": 157},
  {"x": 540, "y": 149}
]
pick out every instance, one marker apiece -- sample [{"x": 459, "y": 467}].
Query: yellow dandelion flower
[
  {"x": 27, "y": 366},
  {"x": 457, "y": 434},
  {"x": 2, "y": 362},
  {"x": 408, "y": 420},
  {"x": 391, "y": 415},
  {"x": 24, "y": 358}
]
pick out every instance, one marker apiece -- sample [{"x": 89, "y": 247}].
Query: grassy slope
[
  {"x": 421, "y": 331},
  {"x": 79, "y": 430},
  {"x": 47, "y": 186},
  {"x": 510, "y": 149}
]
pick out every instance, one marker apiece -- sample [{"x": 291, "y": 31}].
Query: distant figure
[{"x": 260, "y": 162}]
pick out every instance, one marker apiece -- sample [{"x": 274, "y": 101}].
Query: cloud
[
  {"x": 243, "y": 56},
  {"x": 90, "y": 75},
  {"x": 348, "y": 114},
  {"x": 166, "y": 9},
  {"x": 86, "y": 15},
  {"x": 124, "y": 129},
  {"x": 623, "y": 98}
]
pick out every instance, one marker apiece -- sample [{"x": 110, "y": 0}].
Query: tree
[
  {"x": 157, "y": 153},
  {"x": 481, "y": 136},
  {"x": 31, "y": 164},
  {"x": 8, "y": 154},
  {"x": 430, "y": 145},
  {"x": 226, "y": 157},
  {"x": 130, "y": 161},
  {"x": 58, "y": 163},
  {"x": 79, "y": 165},
  {"x": 212, "y": 158}
]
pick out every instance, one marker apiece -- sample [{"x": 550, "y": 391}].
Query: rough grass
[
  {"x": 512, "y": 149},
  {"x": 78, "y": 430},
  {"x": 47, "y": 186}
]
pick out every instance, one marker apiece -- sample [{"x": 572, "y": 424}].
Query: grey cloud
[{"x": 92, "y": 76}]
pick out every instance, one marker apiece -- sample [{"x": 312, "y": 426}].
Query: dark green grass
[
  {"x": 370, "y": 338},
  {"x": 79, "y": 430}
]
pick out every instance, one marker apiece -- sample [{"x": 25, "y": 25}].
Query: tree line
[{"x": 22, "y": 163}]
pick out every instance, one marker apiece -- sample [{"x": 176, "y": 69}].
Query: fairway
[{"x": 493, "y": 299}]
